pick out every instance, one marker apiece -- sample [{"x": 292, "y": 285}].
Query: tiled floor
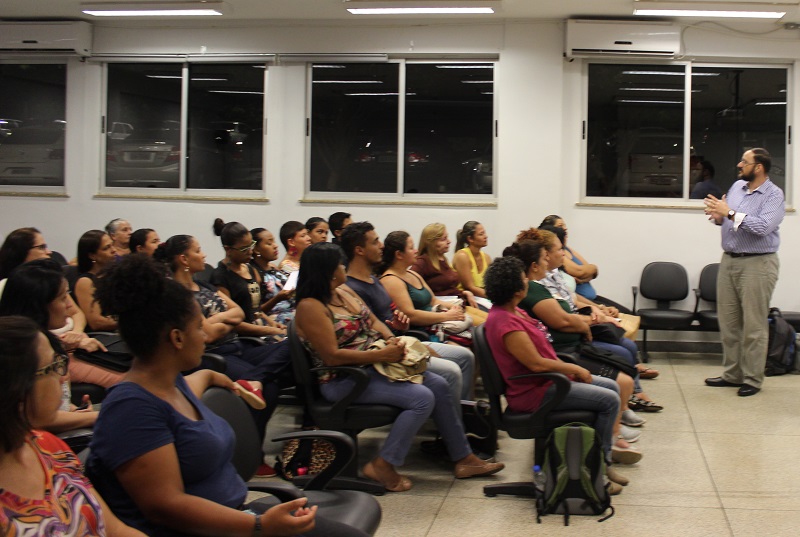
[{"x": 714, "y": 464}]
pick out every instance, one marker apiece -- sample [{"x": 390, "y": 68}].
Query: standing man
[{"x": 750, "y": 216}]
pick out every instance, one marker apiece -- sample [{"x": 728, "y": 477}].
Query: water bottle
[
  {"x": 440, "y": 333},
  {"x": 539, "y": 478}
]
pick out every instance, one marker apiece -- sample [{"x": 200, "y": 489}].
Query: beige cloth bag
[
  {"x": 631, "y": 325},
  {"x": 412, "y": 366}
]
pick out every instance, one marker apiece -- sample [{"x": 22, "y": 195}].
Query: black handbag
[
  {"x": 117, "y": 358},
  {"x": 608, "y": 358},
  {"x": 607, "y": 333}
]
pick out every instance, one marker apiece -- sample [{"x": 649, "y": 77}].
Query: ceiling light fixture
[
  {"x": 348, "y": 82},
  {"x": 421, "y": 11},
  {"x": 666, "y": 73},
  {"x": 706, "y": 10},
  {"x": 646, "y": 101},
  {"x": 155, "y": 9}
]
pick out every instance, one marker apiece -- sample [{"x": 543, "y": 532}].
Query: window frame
[
  {"x": 685, "y": 202},
  {"x": 182, "y": 191},
  {"x": 398, "y": 197},
  {"x": 57, "y": 191}
]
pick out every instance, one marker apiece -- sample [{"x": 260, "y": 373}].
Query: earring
[
  {"x": 94, "y": 261},
  {"x": 186, "y": 269}
]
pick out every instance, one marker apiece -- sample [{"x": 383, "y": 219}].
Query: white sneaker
[
  {"x": 628, "y": 434},
  {"x": 632, "y": 419},
  {"x": 629, "y": 455}
]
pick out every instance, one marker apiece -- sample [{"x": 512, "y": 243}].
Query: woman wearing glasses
[
  {"x": 21, "y": 245},
  {"x": 236, "y": 278},
  {"x": 42, "y": 488}
]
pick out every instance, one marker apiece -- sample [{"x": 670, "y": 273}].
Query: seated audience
[
  {"x": 42, "y": 488},
  {"x": 236, "y": 278},
  {"x": 21, "y": 245},
  {"x": 294, "y": 237},
  {"x": 144, "y": 241},
  {"x": 408, "y": 290},
  {"x": 38, "y": 290},
  {"x": 519, "y": 345},
  {"x": 431, "y": 263},
  {"x": 95, "y": 253},
  {"x": 337, "y": 222},
  {"x": 363, "y": 249},
  {"x": 469, "y": 260},
  {"x": 339, "y": 329},
  {"x": 159, "y": 456},
  {"x": 120, "y": 232},
  {"x": 275, "y": 302},
  {"x": 317, "y": 229}
]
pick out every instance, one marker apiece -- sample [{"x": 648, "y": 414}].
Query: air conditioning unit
[
  {"x": 29, "y": 38},
  {"x": 622, "y": 39}
]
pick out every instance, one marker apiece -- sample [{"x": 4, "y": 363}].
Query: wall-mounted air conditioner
[
  {"x": 69, "y": 37},
  {"x": 600, "y": 38}
]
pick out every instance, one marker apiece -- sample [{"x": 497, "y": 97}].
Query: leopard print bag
[{"x": 304, "y": 457}]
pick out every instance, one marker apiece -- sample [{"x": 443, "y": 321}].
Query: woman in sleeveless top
[
  {"x": 470, "y": 261},
  {"x": 338, "y": 328},
  {"x": 408, "y": 290},
  {"x": 95, "y": 253},
  {"x": 275, "y": 302}
]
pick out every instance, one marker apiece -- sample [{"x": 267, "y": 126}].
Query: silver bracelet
[{"x": 257, "y": 526}]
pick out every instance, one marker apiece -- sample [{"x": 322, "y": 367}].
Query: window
[
  {"x": 32, "y": 126},
  {"x": 222, "y": 130},
  {"x": 438, "y": 116},
  {"x": 636, "y": 131}
]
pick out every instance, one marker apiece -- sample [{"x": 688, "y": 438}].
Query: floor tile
[{"x": 775, "y": 523}]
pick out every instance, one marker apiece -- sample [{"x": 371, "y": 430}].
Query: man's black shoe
[
  {"x": 719, "y": 382},
  {"x": 746, "y": 390}
]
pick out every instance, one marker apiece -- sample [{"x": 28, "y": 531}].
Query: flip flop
[
  {"x": 250, "y": 395},
  {"x": 647, "y": 373},
  {"x": 403, "y": 483}
]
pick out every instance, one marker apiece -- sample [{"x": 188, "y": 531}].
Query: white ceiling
[{"x": 266, "y": 10}]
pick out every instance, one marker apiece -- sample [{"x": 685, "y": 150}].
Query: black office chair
[
  {"x": 353, "y": 508},
  {"x": 343, "y": 415},
  {"x": 707, "y": 291},
  {"x": 665, "y": 282},
  {"x": 523, "y": 425}
]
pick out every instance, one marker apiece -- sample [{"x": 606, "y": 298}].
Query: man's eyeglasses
[
  {"x": 42, "y": 247},
  {"x": 747, "y": 163},
  {"x": 245, "y": 249},
  {"x": 59, "y": 365}
]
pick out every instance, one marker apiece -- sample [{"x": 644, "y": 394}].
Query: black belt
[{"x": 734, "y": 254}]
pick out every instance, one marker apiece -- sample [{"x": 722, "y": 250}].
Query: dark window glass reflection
[{"x": 32, "y": 126}]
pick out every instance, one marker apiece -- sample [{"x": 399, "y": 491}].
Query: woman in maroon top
[{"x": 520, "y": 345}]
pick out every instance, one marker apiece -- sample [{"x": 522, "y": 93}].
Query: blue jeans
[
  {"x": 418, "y": 402},
  {"x": 626, "y": 349},
  {"x": 463, "y": 358},
  {"x": 601, "y": 396}
]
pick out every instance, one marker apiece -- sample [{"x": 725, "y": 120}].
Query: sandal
[
  {"x": 647, "y": 373},
  {"x": 250, "y": 394},
  {"x": 401, "y": 485},
  {"x": 636, "y": 403}
]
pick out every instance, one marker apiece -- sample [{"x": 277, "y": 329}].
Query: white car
[{"x": 32, "y": 156}]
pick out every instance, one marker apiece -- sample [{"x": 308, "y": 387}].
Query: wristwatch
[{"x": 731, "y": 213}]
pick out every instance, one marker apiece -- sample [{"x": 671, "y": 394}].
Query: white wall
[{"x": 539, "y": 150}]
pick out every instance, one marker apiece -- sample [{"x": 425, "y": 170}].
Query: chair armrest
[
  {"x": 696, "y": 300},
  {"x": 343, "y": 446},
  {"x": 635, "y": 291},
  {"x": 419, "y": 334},
  {"x": 285, "y": 492},
  {"x": 561, "y": 382},
  {"x": 256, "y": 341},
  {"x": 214, "y": 362},
  {"x": 361, "y": 381}
]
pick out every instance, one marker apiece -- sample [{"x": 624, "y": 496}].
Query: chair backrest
[
  {"x": 708, "y": 282},
  {"x": 493, "y": 382},
  {"x": 301, "y": 365},
  {"x": 247, "y": 453},
  {"x": 664, "y": 282}
]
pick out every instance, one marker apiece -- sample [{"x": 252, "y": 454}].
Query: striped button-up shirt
[{"x": 759, "y": 213}]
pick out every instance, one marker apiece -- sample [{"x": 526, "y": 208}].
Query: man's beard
[{"x": 748, "y": 176}]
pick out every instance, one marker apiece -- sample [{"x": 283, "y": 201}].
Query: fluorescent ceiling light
[
  {"x": 487, "y": 93},
  {"x": 465, "y": 66},
  {"x": 208, "y": 79},
  {"x": 238, "y": 92},
  {"x": 327, "y": 66},
  {"x": 376, "y": 94},
  {"x": 666, "y": 73},
  {"x": 674, "y": 90},
  {"x": 770, "y": 103},
  {"x": 477, "y": 81},
  {"x": 421, "y": 10},
  {"x": 711, "y": 9},
  {"x": 348, "y": 81},
  {"x": 155, "y": 9},
  {"x": 647, "y": 101},
  {"x": 699, "y": 13},
  {"x": 164, "y": 76}
]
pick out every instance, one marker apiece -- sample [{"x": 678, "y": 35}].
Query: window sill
[
  {"x": 176, "y": 197},
  {"x": 398, "y": 202},
  {"x": 693, "y": 205},
  {"x": 33, "y": 194}
]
